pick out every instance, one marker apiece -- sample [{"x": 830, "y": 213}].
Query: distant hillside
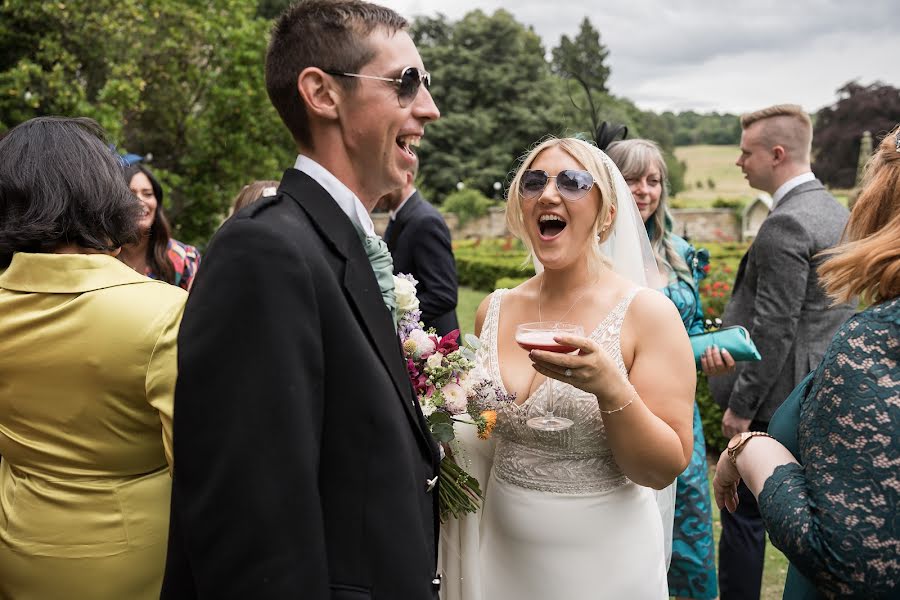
[{"x": 714, "y": 164}]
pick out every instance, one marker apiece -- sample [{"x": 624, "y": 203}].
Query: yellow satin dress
[{"x": 87, "y": 378}]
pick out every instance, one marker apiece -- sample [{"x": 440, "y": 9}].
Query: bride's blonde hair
[{"x": 592, "y": 160}]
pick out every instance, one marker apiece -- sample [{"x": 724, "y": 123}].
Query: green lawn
[
  {"x": 469, "y": 300},
  {"x": 776, "y": 564},
  {"x": 716, "y": 164}
]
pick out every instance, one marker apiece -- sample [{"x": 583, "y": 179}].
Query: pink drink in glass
[{"x": 542, "y": 340}]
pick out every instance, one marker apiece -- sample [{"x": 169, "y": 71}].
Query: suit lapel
[
  {"x": 359, "y": 283},
  {"x": 402, "y": 220},
  {"x": 807, "y": 186}
]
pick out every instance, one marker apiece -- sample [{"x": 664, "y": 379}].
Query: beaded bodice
[{"x": 576, "y": 460}]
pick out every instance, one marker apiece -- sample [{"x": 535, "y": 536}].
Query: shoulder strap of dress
[
  {"x": 492, "y": 320},
  {"x": 485, "y": 357},
  {"x": 621, "y": 309}
]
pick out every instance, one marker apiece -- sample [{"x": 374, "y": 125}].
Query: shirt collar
[
  {"x": 393, "y": 214},
  {"x": 345, "y": 199},
  {"x": 66, "y": 273},
  {"x": 790, "y": 184}
]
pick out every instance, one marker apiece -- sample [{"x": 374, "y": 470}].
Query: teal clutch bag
[{"x": 735, "y": 339}]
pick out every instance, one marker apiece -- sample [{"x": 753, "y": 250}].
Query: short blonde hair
[
  {"x": 592, "y": 160},
  {"x": 252, "y": 192},
  {"x": 785, "y": 125},
  {"x": 868, "y": 263}
]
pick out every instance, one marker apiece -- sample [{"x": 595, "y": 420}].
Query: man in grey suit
[{"x": 777, "y": 297}]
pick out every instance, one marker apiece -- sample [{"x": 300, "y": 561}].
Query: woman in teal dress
[
  {"x": 692, "y": 572},
  {"x": 827, "y": 482}
]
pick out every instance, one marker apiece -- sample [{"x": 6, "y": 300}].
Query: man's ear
[
  {"x": 778, "y": 154},
  {"x": 319, "y": 93}
]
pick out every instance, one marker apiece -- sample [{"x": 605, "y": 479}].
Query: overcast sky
[{"x": 725, "y": 56}]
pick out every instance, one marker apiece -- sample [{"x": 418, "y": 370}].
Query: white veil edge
[{"x": 628, "y": 249}]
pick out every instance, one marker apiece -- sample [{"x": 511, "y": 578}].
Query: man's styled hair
[
  {"x": 868, "y": 263},
  {"x": 328, "y": 34},
  {"x": 785, "y": 125},
  {"x": 60, "y": 183}
]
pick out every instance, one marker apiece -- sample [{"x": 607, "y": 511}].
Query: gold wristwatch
[{"x": 737, "y": 443}]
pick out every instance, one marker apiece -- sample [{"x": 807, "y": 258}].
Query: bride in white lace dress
[{"x": 571, "y": 514}]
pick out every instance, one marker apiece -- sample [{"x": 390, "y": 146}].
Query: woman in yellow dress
[{"x": 87, "y": 375}]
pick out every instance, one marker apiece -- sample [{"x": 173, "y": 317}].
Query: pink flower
[{"x": 449, "y": 343}]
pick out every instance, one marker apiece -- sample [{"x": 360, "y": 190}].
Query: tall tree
[
  {"x": 496, "y": 95},
  {"x": 839, "y": 129},
  {"x": 183, "y": 81},
  {"x": 583, "y": 60}
]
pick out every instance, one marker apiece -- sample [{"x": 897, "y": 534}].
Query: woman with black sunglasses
[{"x": 570, "y": 512}]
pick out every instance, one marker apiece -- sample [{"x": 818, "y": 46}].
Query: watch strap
[{"x": 745, "y": 437}]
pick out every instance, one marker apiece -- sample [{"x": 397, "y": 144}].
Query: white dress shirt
[
  {"x": 393, "y": 213},
  {"x": 790, "y": 184},
  {"x": 345, "y": 199}
]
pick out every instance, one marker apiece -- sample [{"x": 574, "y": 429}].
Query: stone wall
[
  {"x": 491, "y": 225},
  {"x": 699, "y": 224},
  {"x": 707, "y": 224}
]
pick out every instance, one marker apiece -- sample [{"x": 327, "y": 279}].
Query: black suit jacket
[
  {"x": 301, "y": 454},
  {"x": 419, "y": 241}
]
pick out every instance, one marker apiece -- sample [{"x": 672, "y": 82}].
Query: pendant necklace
[{"x": 580, "y": 296}]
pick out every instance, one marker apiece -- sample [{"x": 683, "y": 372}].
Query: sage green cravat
[{"x": 383, "y": 266}]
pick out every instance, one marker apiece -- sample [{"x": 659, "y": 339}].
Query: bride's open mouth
[{"x": 550, "y": 226}]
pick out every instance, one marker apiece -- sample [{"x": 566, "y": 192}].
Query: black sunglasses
[
  {"x": 571, "y": 183},
  {"x": 408, "y": 84}
]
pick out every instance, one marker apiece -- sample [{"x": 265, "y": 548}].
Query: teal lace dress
[
  {"x": 692, "y": 573},
  {"x": 836, "y": 515}
]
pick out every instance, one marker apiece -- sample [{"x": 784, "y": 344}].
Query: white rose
[
  {"x": 454, "y": 398},
  {"x": 405, "y": 294},
  {"x": 467, "y": 383},
  {"x": 434, "y": 361},
  {"x": 424, "y": 345}
]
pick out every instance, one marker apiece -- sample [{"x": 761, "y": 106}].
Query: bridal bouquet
[{"x": 439, "y": 369}]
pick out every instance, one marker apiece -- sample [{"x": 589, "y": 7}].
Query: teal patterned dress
[
  {"x": 692, "y": 573},
  {"x": 836, "y": 515}
]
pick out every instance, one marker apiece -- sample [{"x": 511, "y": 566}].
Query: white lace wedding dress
[{"x": 561, "y": 520}]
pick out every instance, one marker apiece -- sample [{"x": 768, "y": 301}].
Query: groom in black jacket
[{"x": 304, "y": 467}]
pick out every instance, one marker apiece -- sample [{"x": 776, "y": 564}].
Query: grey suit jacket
[{"x": 777, "y": 297}]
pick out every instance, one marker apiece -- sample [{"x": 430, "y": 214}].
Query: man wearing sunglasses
[{"x": 304, "y": 466}]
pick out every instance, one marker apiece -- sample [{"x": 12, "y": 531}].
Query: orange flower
[{"x": 490, "y": 419}]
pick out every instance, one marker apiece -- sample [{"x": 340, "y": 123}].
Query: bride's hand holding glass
[{"x": 591, "y": 370}]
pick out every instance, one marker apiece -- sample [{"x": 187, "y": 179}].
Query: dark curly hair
[
  {"x": 61, "y": 184},
  {"x": 160, "y": 230}
]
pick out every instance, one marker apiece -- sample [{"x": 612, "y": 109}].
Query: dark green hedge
[
  {"x": 711, "y": 416},
  {"x": 482, "y": 272}
]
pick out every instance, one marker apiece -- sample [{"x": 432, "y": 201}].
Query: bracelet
[{"x": 623, "y": 407}]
